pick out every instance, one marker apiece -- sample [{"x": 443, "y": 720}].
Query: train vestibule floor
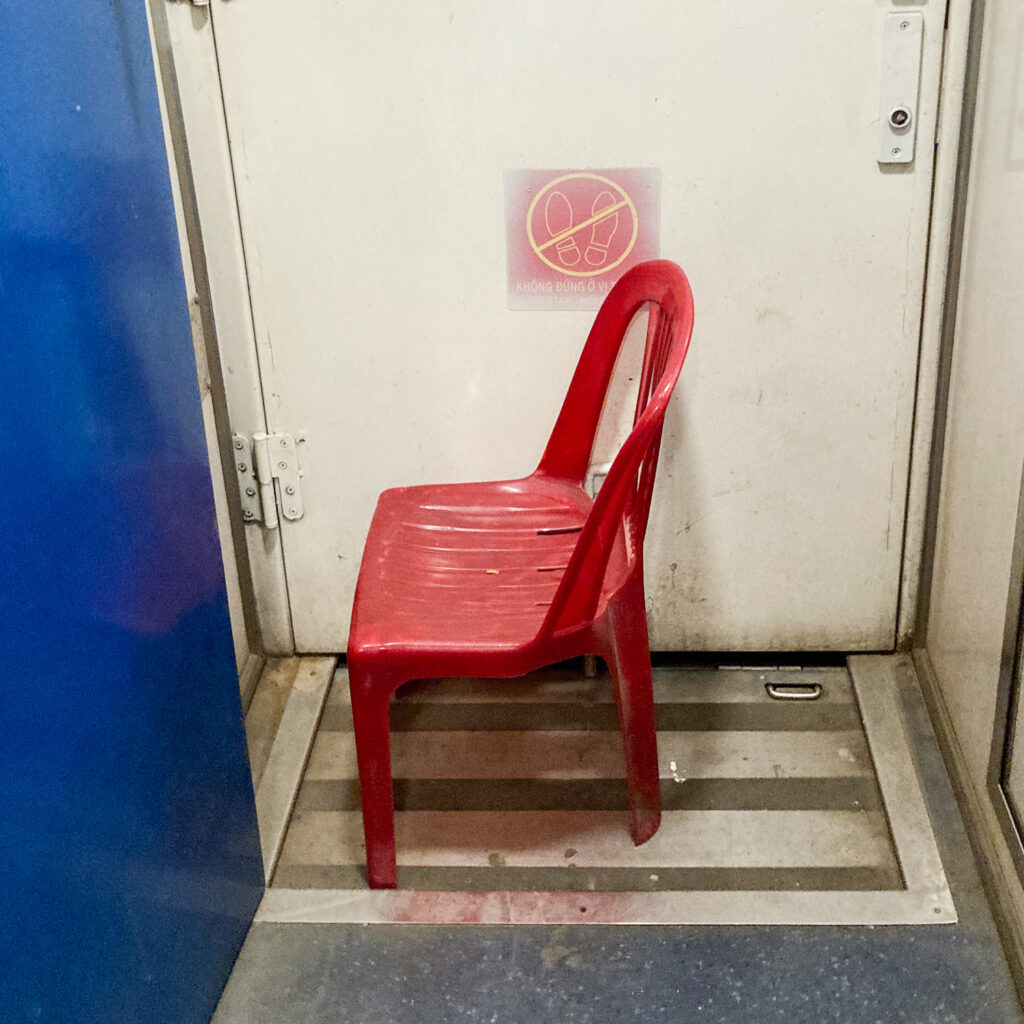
[{"x": 811, "y": 864}]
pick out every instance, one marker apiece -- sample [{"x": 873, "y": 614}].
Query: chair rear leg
[
  {"x": 629, "y": 661},
  {"x": 371, "y": 723}
]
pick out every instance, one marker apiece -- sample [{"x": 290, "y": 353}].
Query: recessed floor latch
[
  {"x": 793, "y": 691},
  {"x": 258, "y": 463}
]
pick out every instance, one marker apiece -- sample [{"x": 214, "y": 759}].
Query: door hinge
[{"x": 260, "y": 461}]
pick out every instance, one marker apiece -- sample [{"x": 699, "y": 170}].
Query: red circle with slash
[{"x": 582, "y": 224}]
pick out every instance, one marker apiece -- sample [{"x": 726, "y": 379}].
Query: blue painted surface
[{"x": 128, "y": 843}]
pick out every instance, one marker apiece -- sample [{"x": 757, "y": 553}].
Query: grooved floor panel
[{"x": 518, "y": 786}]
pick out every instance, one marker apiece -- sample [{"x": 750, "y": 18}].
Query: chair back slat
[{"x": 623, "y": 504}]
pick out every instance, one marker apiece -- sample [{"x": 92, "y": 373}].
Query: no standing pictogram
[{"x": 571, "y": 234}]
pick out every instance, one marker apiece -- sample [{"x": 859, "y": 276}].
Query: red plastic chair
[{"x": 499, "y": 579}]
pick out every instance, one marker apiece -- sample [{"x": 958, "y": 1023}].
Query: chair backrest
[{"x": 624, "y": 500}]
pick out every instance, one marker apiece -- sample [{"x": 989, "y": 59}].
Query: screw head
[
  {"x": 247, "y": 513},
  {"x": 282, "y": 465},
  {"x": 904, "y": 25},
  {"x": 289, "y": 490},
  {"x": 251, "y": 491},
  {"x": 239, "y": 445},
  {"x": 242, "y": 467},
  {"x": 293, "y": 511},
  {"x": 284, "y": 442},
  {"x": 896, "y": 151}
]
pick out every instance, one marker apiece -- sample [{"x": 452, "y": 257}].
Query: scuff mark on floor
[{"x": 555, "y": 953}]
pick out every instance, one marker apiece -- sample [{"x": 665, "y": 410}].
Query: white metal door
[{"x": 369, "y": 141}]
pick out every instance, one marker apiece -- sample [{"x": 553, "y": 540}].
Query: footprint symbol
[
  {"x": 603, "y": 231},
  {"x": 558, "y": 218}
]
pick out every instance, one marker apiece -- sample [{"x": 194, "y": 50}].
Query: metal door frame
[
  {"x": 1008, "y": 696},
  {"x": 211, "y": 242}
]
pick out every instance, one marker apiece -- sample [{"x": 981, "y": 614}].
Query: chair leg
[
  {"x": 370, "y": 719},
  {"x": 629, "y": 661}
]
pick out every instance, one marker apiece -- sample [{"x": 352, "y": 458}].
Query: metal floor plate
[{"x": 511, "y": 807}]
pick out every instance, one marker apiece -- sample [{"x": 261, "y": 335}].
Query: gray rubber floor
[{"x": 953, "y": 974}]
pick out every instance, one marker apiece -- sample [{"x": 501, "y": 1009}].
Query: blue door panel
[{"x": 128, "y": 836}]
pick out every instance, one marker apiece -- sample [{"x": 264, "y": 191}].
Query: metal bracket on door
[
  {"x": 901, "y": 78},
  {"x": 258, "y": 463},
  {"x": 596, "y": 475}
]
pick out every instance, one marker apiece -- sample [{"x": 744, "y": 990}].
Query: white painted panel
[
  {"x": 984, "y": 454},
  {"x": 984, "y": 444},
  {"x": 369, "y": 142}
]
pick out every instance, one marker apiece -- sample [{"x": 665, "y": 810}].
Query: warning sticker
[{"x": 572, "y": 234}]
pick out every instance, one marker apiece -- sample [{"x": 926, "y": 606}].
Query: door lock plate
[{"x": 901, "y": 78}]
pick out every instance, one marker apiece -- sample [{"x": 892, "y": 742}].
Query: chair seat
[{"x": 465, "y": 566}]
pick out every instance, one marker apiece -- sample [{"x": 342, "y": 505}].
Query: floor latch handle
[{"x": 793, "y": 691}]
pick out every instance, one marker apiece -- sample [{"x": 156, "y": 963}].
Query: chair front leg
[{"x": 370, "y": 719}]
